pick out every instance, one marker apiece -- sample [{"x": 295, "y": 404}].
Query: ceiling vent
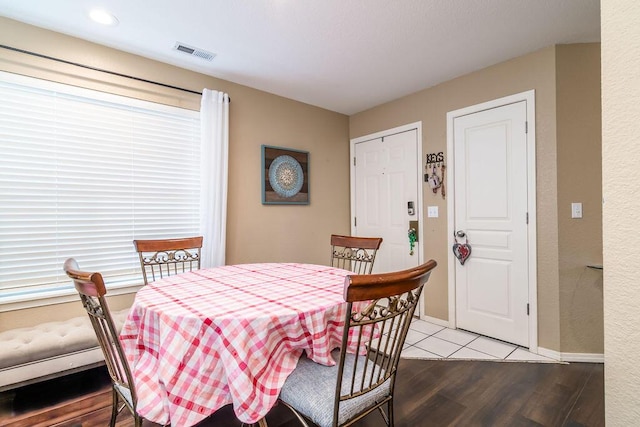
[{"x": 194, "y": 51}]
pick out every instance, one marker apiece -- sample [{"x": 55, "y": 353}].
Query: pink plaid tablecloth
[{"x": 200, "y": 340}]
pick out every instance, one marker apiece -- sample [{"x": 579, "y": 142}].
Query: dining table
[{"x": 200, "y": 340}]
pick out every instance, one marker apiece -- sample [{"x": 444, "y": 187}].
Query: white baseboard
[
  {"x": 583, "y": 357},
  {"x": 571, "y": 357},
  {"x": 435, "y": 320},
  {"x": 551, "y": 354}
]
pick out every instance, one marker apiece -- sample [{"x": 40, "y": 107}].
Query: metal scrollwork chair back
[
  {"x": 92, "y": 291},
  {"x": 165, "y": 257},
  {"x": 357, "y": 385},
  {"x": 354, "y": 253}
]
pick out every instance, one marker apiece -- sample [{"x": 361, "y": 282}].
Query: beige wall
[
  {"x": 534, "y": 71},
  {"x": 621, "y": 210},
  {"x": 255, "y": 232},
  {"x": 567, "y": 121},
  {"x": 579, "y": 135},
  {"x": 566, "y": 80}
]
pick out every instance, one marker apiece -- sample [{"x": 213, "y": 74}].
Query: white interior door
[
  {"x": 385, "y": 178},
  {"x": 491, "y": 182}
]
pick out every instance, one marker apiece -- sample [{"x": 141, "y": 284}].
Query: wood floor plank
[
  {"x": 556, "y": 394},
  {"x": 589, "y": 408},
  {"x": 428, "y": 393},
  {"x": 66, "y": 411},
  {"x": 503, "y": 393}
]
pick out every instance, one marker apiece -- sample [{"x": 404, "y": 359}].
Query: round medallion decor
[{"x": 285, "y": 176}]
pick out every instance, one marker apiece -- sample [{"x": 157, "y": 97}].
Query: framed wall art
[{"x": 285, "y": 176}]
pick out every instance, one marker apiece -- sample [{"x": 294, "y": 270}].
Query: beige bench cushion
[{"x": 51, "y": 339}]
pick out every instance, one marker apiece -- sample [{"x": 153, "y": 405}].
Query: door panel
[
  {"x": 491, "y": 208},
  {"x": 386, "y": 178}
]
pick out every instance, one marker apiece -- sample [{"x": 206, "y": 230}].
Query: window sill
[{"x": 57, "y": 297}]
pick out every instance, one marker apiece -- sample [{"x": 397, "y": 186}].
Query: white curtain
[{"x": 214, "y": 164}]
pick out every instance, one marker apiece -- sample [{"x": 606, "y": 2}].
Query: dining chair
[
  {"x": 354, "y": 253},
  {"x": 92, "y": 292},
  {"x": 357, "y": 385},
  {"x": 165, "y": 257}
]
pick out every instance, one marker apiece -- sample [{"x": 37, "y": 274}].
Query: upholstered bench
[{"x": 48, "y": 350}]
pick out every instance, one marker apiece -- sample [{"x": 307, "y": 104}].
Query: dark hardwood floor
[{"x": 428, "y": 393}]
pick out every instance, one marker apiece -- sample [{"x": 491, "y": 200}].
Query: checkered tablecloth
[{"x": 200, "y": 340}]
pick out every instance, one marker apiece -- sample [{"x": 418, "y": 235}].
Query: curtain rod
[{"x": 98, "y": 69}]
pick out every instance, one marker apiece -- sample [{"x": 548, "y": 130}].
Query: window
[{"x": 82, "y": 174}]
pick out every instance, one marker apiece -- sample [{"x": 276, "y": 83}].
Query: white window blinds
[{"x": 82, "y": 174}]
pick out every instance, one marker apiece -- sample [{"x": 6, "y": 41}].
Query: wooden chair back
[
  {"x": 165, "y": 257},
  {"x": 92, "y": 291},
  {"x": 354, "y": 253},
  {"x": 381, "y": 327},
  {"x": 380, "y": 310}
]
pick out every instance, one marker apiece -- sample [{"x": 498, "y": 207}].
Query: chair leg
[
  {"x": 298, "y": 416},
  {"x": 114, "y": 407},
  {"x": 388, "y": 415}
]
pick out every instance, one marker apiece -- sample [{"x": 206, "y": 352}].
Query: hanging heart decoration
[{"x": 462, "y": 251}]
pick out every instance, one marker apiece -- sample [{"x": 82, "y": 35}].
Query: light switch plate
[
  {"x": 576, "y": 210},
  {"x": 432, "y": 212}
]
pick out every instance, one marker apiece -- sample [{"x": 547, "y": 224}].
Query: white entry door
[
  {"x": 385, "y": 175},
  {"x": 491, "y": 215}
]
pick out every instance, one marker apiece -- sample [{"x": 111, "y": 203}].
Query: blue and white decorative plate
[{"x": 285, "y": 176}]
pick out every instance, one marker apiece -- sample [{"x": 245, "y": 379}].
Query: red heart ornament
[{"x": 462, "y": 251}]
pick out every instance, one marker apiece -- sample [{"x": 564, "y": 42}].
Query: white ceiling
[{"x": 342, "y": 55}]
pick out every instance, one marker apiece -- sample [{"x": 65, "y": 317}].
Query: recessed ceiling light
[{"x": 103, "y": 17}]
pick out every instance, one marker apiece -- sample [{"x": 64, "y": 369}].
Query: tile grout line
[{"x": 462, "y": 346}]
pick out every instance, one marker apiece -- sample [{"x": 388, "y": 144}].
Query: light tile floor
[{"x": 427, "y": 340}]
